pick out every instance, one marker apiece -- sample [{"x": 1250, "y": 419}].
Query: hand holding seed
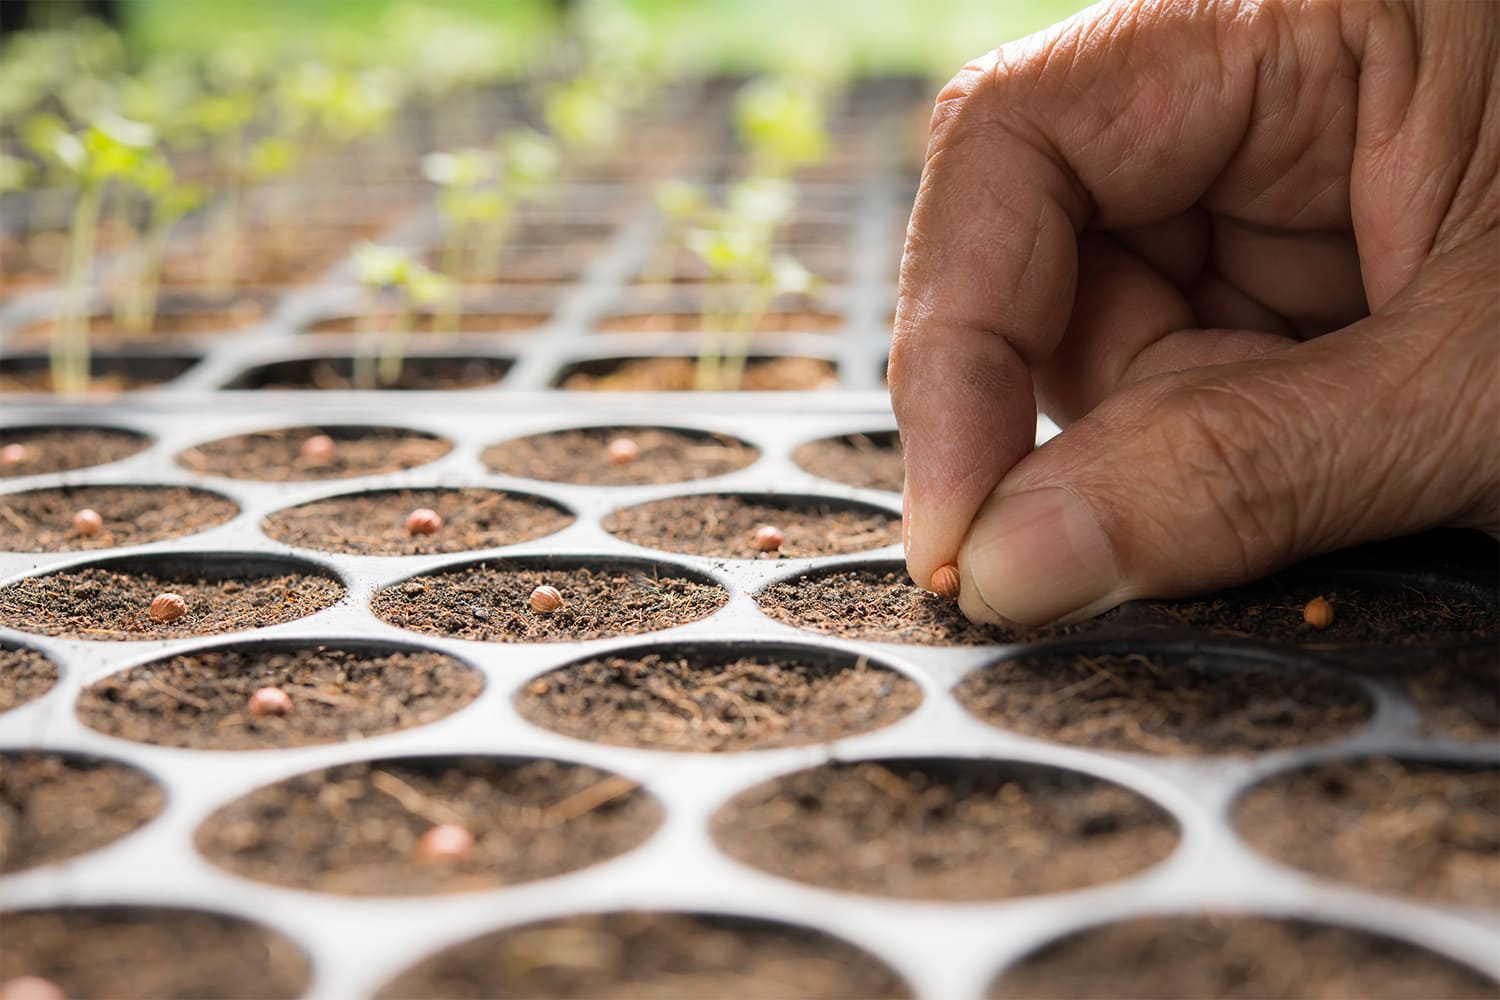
[{"x": 168, "y": 607}]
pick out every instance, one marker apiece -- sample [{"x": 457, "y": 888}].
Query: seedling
[
  {"x": 423, "y": 521},
  {"x": 582, "y": 116},
  {"x": 318, "y": 449},
  {"x": 87, "y": 523},
  {"x": 681, "y": 205},
  {"x": 168, "y": 607},
  {"x": 168, "y": 203},
  {"x": 390, "y": 272},
  {"x": 780, "y": 123},
  {"x": 945, "y": 582},
  {"x": 223, "y": 120},
  {"x": 445, "y": 842},
  {"x": 1318, "y": 613},
  {"x": 768, "y": 538},
  {"x": 270, "y": 701},
  {"x": 623, "y": 451},
  {"x": 545, "y": 599}
]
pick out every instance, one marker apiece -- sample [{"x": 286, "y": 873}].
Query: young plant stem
[
  {"x": 137, "y": 309},
  {"x": 223, "y": 261},
  {"x": 69, "y": 355},
  {"x": 365, "y": 353},
  {"x": 737, "y": 351},
  {"x": 715, "y": 313},
  {"x": 393, "y": 346}
]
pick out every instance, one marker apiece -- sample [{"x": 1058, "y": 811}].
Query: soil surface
[
  {"x": 337, "y": 373},
  {"x": 944, "y": 829},
  {"x": 468, "y": 322},
  {"x": 1429, "y": 830},
  {"x": 717, "y": 701},
  {"x": 25, "y": 675},
  {"x": 42, "y": 520},
  {"x": 1163, "y": 702},
  {"x": 290, "y": 257},
  {"x": 59, "y": 449},
  {"x": 1457, "y": 691},
  {"x": 277, "y": 455},
  {"x": 96, "y": 602},
  {"x": 680, "y": 375},
  {"x": 166, "y": 323},
  {"x": 374, "y": 523},
  {"x": 108, "y": 374},
  {"x": 582, "y": 456},
  {"x": 200, "y": 700},
  {"x": 491, "y": 601},
  {"x": 141, "y": 953},
  {"x": 353, "y": 829},
  {"x": 54, "y": 807},
  {"x": 870, "y": 461},
  {"x": 692, "y": 322},
  {"x": 724, "y": 525},
  {"x": 1193, "y": 958},
  {"x": 651, "y": 956}
]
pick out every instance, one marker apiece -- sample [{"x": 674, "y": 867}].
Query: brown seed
[
  {"x": 168, "y": 607},
  {"x": 768, "y": 538},
  {"x": 87, "y": 523},
  {"x": 270, "y": 701},
  {"x": 623, "y": 451},
  {"x": 1318, "y": 613},
  {"x": 31, "y": 988},
  {"x": 318, "y": 449},
  {"x": 14, "y": 454},
  {"x": 445, "y": 842},
  {"x": 423, "y": 521},
  {"x": 546, "y": 599},
  {"x": 945, "y": 581}
]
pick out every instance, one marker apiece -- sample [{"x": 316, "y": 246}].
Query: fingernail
[{"x": 1040, "y": 556}]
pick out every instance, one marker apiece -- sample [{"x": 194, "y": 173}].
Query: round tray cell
[
  {"x": 1416, "y": 828},
  {"x": 338, "y": 373},
  {"x": 944, "y": 829},
  {"x": 62, "y": 448},
  {"x": 25, "y": 675},
  {"x": 601, "y": 599},
  {"x": 57, "y": 806},
  {"x": 42, "y": 520},
  {"x": 339, "y": 691},
  {"x": 669, "y": 956},
  {"x": 725, "y": 525},
  {"x": 582, "y": 455},
  {"x": 112, "y": 599},
  {"x": 374, "y": 523},
  {"x": 777, "y": 321},
  {"x": 476, "y": 322},
  {"x": 279, "y": 455},
  {"x": 108, "y": 373},
  {"x": 718, "y": 697},
  {"x": 1164, "y": 699},
  {"x": 357, "y": 829},
  {"x": 1198, "y": 957},
  {"x": 871, "y": 461},
  {"x": 1456, "y": 690},
  {"x": 150, "y": 953},
  {"x": 175, "y": 318},
  {"x": 679, "y": 374}
]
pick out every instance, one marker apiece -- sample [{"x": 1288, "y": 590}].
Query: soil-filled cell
[
  {"x": 676, "y": 374},
  {"x": 651, "y": 956},
  {"x": 652, "y": 455},
  {"x": 492, "y": 601},
  {"x": 285, "y": 455},
  {"x": 1239, "y": 957},
  {"x": 870, "y": 461},
  {"x": 431, "y": 324},
  {"x": 1164, "y": 700},
  {"x": 108, "y": 373},
  {"x": 25, "y": 675},
  {"x": 114, "y": 600},
  {"x": 718, "y": 698},
  {"x": 342, "y": 373},
  {"x": 1457, "y": 691},
  {"x": 337, "y": 692},
  {"x": 44, "y": 520},
  {"x": 150, "y": 953},
  {"x": 54, "y": 807},
  {"x": 1423, "y": 829},
  {"x": 289, "y": 254},
  {"x": 60, "y": 449},
  {"x": 184, "y": 318},
  {"x": 692, "y": 322},
  {"x": 944, "y": 829},
  {"x": 730, "y": 526},
  {"x": 378, "y": 523},
  {"x": 358, "y": 829}
]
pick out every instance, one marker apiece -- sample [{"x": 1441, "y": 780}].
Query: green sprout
[
  {"x": 167, "y": 203},
  {"x": 474, "y": 212},
  {"x": 223, "y": 119},
  {"x": 583, "y": 117},
  {"x": 390, "y": 272},
  {"x": 780, "y": 122},
  {"x": 681, "y": 204}
]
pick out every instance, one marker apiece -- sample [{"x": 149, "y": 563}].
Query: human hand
[{"x": 1246, "y": 255}]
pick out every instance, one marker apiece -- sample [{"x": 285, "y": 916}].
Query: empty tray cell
[
  {"x": 600, "y": 599},
  {"x": 365, "y": 829},
  {"x": 871, "y": 461},
  {"x": 387, "y": 522},
  {"x": 335, "y": 690},
  {"x": 25, "y": 675},
  {"x": 149, "y": 953},
  {"x": 944, "y": 829},
  {"x": 30, "y": 451},
  {"x": 1213, "y": 956},
  {"x": 1159, "y": 698},
  {"x": 718, "y": 697},
  {"x": 56, "y": 806},
  {"x": 48, "y": 520},
  {"x": 176, "y": 318},
  {"x": 733, "y": 526},
  {"x": 669, "y": 956},
  {"x": 298, "y": 453},
  {"x": 620, "y": 456},
  {"x": 220, "y": 592},
  {"x": 680, "y": 374},
  {"x": 418, "y": 372},
  {"x": 1427, "y": 829},
  {"x": 108, "y": 373}
]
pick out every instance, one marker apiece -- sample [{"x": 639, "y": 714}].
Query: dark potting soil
[
  {"x": 692, "y": 322},
  {"x": 42, "y": 520},
  {"x": 669, "y": 374},
  {"x": 492, "y": 602},
  {"x": 353, "y": 829},
  {"x": 870, "y": 461},
  {"x": 944, "y": 829},
  {"x": 201, "y": 700},
  {"x": 1429, "y": 830},
  {"x": 724, "y": 525},
  {"x": 1163, "y": 702},
  {"x": 582, "y": 456},
  {"x": 468, "y": 322},
  {"x": 25, "y": 675},
  {"x": 109, "y": 374},
  {"x": 165, "y": 323},
  {"x": 276, "y": 455},
  {"x": 55, "y": 806},
  {"x": 59, "y": 449},
  {"x": 651, "y": 956},
  {"x": 716, "y": 701},
  {"x": 1457, "y": 691},
  {"x": 337, "y": 373},
  {"x": 150, "y": 953},
  {"x": 374, "y": 523},
  {"x": 99, "y": 603},
  {"x": 1242, "y": 957}
]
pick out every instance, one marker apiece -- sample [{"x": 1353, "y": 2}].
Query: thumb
[{"x": 1202, "y": 479}]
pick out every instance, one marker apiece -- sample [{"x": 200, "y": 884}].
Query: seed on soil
[
  {"x": 168, "y": 607},
  {"x": 730, "y": 525},
  {"x": 60, "y": 448},
  {"x": 667, "y": 455},
  {"x": 445, "y": 842},
  {"x": 270, "y": 701},
  {"x": 946, "y": 582},
  {"x": 276, "y": 455},
  {"x": 31, "y": 988},
  {"x": 14, "y": 454},
  {"x": 767, "y": 538},
  {"x": 1318, "y": 613},
  {"x": 67, "y": 518},
  {"x": 319, "y": 449},
  {"x": 546, "y": 600},
  {"x": 87, "y": 523},
  {"x": 423, "y": 521},
  {"x": 623, "y": 451}
]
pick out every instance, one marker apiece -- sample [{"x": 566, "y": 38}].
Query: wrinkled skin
[{"x": 1246, "y": 255}]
